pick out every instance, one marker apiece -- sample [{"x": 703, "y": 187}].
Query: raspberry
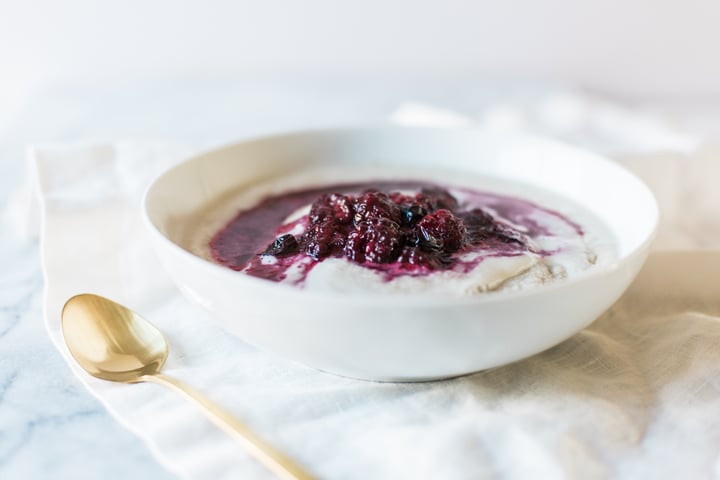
[
  {"x": 322, "y": 239},
  {"x": 400, "y": 198},
  {"x": 374, "y": 242},
  {"x": 335, "y": 205},
  {"x": 441, "y": 230},
  {"x": 342, "y": 207},
  {"x": 372, "y": 205},
  {"x": 320, "y": 210}
]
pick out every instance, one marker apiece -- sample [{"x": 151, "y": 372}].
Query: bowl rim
[{"x": 396, "y": 299}]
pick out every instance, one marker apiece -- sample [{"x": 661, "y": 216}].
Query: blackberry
[
  {"x": 482, "y": 227},
  {"x": 441, "y": 230},
  {"x": 438, "y": 198}
]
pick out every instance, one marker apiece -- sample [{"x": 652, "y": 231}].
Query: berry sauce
[{"x": 393, "y": 228}]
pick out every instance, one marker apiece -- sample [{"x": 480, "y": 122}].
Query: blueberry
[
  {"x": 412, "y": 214},
  {"x": 283, "y": 245}
]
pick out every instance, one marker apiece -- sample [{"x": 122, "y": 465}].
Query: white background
[{"x": 634, "y": 48}]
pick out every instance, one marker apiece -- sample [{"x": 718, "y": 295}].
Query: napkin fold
[{"x": 635, "y": 395}]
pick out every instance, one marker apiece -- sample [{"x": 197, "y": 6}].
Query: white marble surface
[{"x": 50, "y": 427}]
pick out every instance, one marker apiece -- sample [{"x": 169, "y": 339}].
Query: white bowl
[{"x": 404, "y": 337}]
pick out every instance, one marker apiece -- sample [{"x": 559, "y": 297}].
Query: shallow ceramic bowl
[{"x": 404, "y": 337}]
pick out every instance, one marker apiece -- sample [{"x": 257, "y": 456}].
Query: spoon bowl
[{"x": 112, "y": 342}]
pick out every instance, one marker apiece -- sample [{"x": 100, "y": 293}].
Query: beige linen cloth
[{"x": 635, "y": 395}]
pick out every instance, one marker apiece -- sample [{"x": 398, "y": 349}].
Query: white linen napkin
[{"x": 636, "y": 395}]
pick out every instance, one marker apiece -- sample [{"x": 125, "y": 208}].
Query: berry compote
[{"x": 394, "y": 228}]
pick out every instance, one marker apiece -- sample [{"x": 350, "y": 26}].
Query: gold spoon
[{"x": 114, "y": 343}]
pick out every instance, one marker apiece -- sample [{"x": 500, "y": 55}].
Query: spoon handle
[{"x": 275, "y": 461}]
